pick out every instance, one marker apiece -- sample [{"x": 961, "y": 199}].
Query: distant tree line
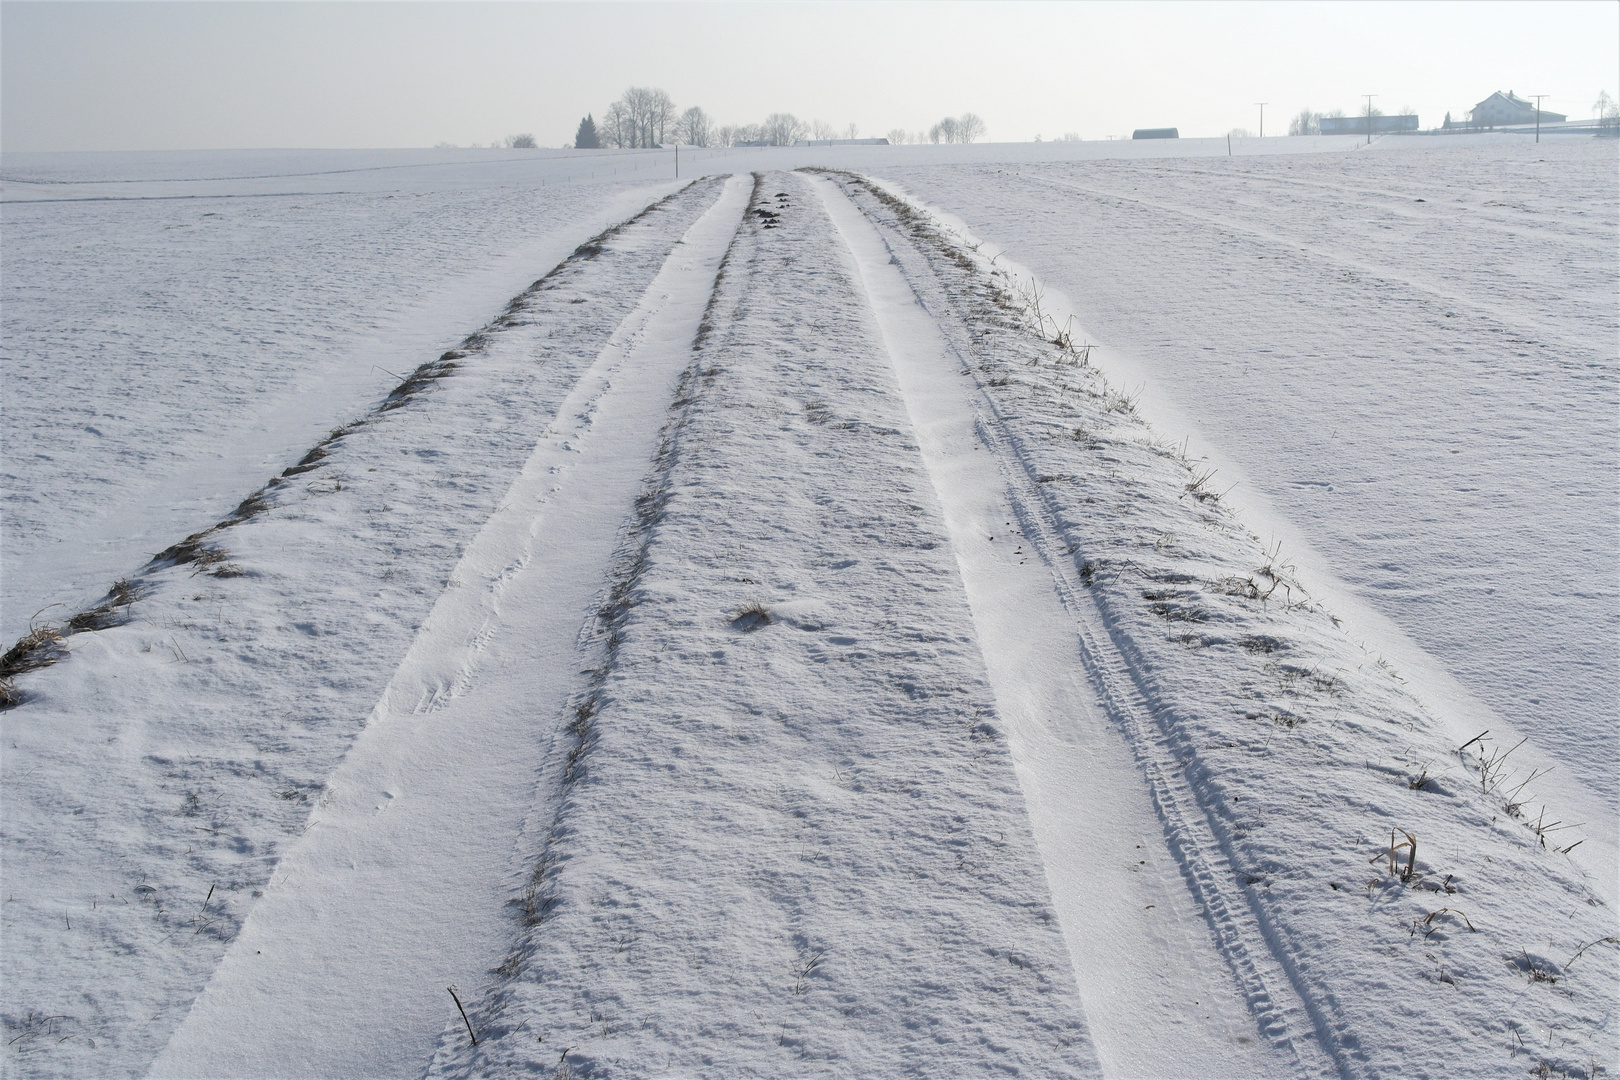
[{"x": 644, "y": 117}]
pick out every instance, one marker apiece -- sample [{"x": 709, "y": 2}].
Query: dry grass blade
[{"x": 1409, "y": 845}]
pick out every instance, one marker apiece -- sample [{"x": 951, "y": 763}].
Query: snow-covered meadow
[{"x": 810, "y": 628}]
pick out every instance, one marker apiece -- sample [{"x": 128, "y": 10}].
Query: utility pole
[
  {"x": 1538, "y": 98},
  {"x": 1262, "y": 105},
  {"x": 1369, "y": 98}
]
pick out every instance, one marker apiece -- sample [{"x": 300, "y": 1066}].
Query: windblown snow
[{"x": 799, "y": 621}]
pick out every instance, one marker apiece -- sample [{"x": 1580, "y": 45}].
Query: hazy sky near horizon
[{"x": 211, "y": 75}]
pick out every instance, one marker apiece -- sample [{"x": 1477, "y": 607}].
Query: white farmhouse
[{"x": 1501, "y": 109}]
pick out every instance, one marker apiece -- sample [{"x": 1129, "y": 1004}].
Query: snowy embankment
[{"x": 770, "y": 648}]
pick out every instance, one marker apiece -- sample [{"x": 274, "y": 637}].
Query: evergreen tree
[{"x": 586, "y": 138}]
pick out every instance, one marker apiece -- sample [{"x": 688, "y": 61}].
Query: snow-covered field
[{"x": 754, "y": 640}]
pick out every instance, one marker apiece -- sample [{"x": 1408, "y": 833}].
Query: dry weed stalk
[{"x": 1409, "y": 845}]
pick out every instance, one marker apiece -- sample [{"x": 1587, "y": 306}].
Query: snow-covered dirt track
[{"x": 772, "y": 647}]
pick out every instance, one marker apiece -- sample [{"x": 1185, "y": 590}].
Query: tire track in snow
[
  {"x": 396, "y": 888},
  {"x": 1037, "y": 628},
  {"x": 795, "y": 847}
]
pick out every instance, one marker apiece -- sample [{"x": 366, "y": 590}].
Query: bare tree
[
  {"x": 1306, "y": 123},
  {"x": 1607, "y": 113},
  {"x": 636, "y": 107},
  {"x": 520, "y": 142},
  {"x": 898, "y": 137},
  {"x": 969, "y": 127},
  {"x": 853, "y": 131},
  {"x": 695, "y": 129},
  {"x": 615, "y": 129},
  {"x": 749, "y": 133},
  {"x": 783, "y": 129},
  {"x": 646, "y": 117},
  {"x": 820, "y": 129},
  {"x": 660, "y": 117},
  {"x": 947, "y": 130}
]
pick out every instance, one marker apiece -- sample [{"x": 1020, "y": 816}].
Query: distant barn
[
  {"x": 1357, "y": 125},
  {"x": 1155, "y": 133}
]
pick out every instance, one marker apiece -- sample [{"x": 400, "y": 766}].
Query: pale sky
[{"x": 157, "y": 76}]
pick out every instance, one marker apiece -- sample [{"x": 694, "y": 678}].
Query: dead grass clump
[
  {"x": 46, "y": 643},
  {"x": 215, "y": 562},
  {"x": 751, "y": 617},
  {"x": 186, "y": 550},
  {"x": 1198, "y": 487},
  {"x": 583, "y": 730},
  {"x": 42, "y": 646},
  {"x": 252, "y": 506},
  {"x": 112, "y": 611},
  {"x": 427, "y": 374},
  {"x": 311, "y": 460},
  {"x": 1239, "y": 586},
  {"x": 1116, "y": 401},
  {"x": 1280, "y": 717}
]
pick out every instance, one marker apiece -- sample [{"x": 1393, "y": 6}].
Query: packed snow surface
[{"x": 767, "y": 636}]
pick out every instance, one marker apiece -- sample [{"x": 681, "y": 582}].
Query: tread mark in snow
[{"x": 1205, "y": 862}]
